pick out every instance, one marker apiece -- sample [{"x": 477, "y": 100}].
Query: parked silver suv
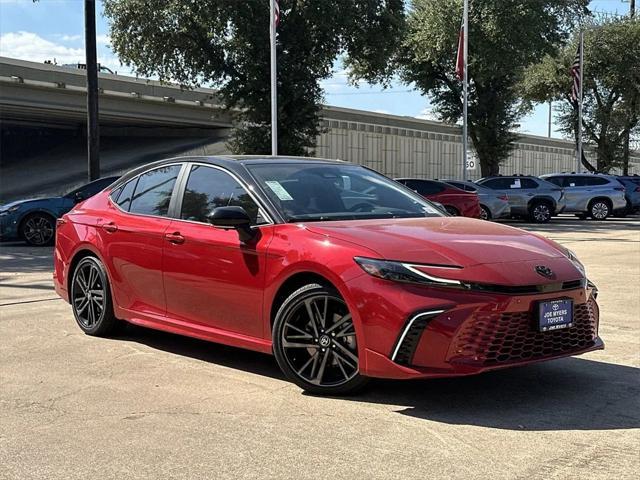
[
  {"x": 529, "y": 197},
  {"x": 588, "y": 194},
  {"x": 493, "y": 205}
]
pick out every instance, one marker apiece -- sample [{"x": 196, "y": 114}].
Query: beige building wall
[{"x": 409, "y": 147}]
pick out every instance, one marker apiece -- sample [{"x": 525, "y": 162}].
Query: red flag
[{"x": 460, "y": 57}]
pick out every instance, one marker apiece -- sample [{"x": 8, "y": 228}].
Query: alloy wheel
[
  {"x": 600, "y": 210},
  {"x": 541, "y": 213},
  {"x": 38, "y": 230},
  {"x": 484, "y": 213},
  {"x": 319, "y": 341},
  {"x": 88, "y": 294}
]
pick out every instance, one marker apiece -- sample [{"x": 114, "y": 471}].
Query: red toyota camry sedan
[{"x": 340, "y": 272}]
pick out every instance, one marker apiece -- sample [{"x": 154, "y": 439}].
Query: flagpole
[
  {"x": 465, "y": 33},
  {"x": 579, "y": 153},
  {"x": 274, "y": 87}
]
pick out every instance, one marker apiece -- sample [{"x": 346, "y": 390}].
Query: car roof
[
  {"x": 576, "y": 174},
  {"x": 231, "y": 162}
]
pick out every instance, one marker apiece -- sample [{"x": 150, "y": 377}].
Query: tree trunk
[{"x": 625, "y": 151}]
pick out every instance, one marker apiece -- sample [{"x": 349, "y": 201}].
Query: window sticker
[
  {"x": 516, "y": 183},
  {"x": 279, "y": 190}
]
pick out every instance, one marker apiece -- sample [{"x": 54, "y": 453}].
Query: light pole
[{"x": 93, "y": 132}]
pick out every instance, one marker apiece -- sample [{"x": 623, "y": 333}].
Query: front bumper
[
  {"x": 8, "y": 228},
  {"x": 475, "y": 332}
]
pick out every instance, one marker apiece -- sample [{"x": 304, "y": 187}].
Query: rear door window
[
  {"x": 426, "y": 187},
  {"x": 497, "y": 183},
  {"x": 124, "y": 198},
  {"x": 528, "y": 183},
  {"x": 595, "y": 181},
  {"x": 153, "y": 191}
]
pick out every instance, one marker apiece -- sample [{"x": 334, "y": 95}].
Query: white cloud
[
  {"x": 427, "y": 114},
  {"x": 31, "y": 46},
  {"x": 70, "y": 38},
  {"x": 103, "y": 39}
]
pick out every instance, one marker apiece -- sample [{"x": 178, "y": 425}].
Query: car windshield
[{"x": 316, "y": 192}]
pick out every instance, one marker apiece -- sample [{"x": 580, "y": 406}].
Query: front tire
[
  {"x": 314, "y": 342},
  {"x": 90, "y": 297}
]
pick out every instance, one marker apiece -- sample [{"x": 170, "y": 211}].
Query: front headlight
[
  {"x": 403, "y": 272},
  {"x": 571, "y": 255},
  {"x": 8, "y": 211}
]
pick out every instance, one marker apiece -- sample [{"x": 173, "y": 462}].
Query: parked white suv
[{"x": 589, "y": 194}]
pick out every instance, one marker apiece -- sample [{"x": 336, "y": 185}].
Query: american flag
[
  {"x": 575, "y": 73},
  {"x": 276, "y": 10},
  {"x": 460, "y": 56}
]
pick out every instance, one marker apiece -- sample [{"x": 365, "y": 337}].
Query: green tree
[
  {"x": 505, "y": 37},
  {"x": 611, "y": 106},
  {"x": 225, "y": 43}
]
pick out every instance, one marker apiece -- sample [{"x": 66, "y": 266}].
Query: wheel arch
[
  {"x": 293, "y": 283},
  {"x": 602, "y": 198},
  {"x": 542, "y": 199},
  {"x": 82, "y": 252}
]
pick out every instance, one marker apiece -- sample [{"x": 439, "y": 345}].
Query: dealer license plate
[{"x": 555, "y": 315}]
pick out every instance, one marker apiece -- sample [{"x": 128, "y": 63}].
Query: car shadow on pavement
[
  {"x": 216, "y": 353},
  {"x": 566, "y": 394}
]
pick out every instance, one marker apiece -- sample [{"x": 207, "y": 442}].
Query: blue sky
[{"x": 54, "y": 29}]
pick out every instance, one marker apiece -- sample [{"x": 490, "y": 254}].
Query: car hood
[
  {"x": 29, "y": 201},
  {"x": 453, "y": 241}
]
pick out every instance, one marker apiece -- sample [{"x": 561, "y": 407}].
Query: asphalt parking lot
[{"x": 154, "y": 405}]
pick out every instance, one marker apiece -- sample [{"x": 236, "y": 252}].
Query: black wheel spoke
[
  {"x": 323, "y": 364},
  {"x": 347, "y": 352},
  {"x": 346, "y": 318},
  {"x": 287, "y": 344},
  {"x": 339, "y": 363},
  {"x": 343, "y": 359},
  {"x": 313, "y": 358},
  {"x": 311, "y": 312}
]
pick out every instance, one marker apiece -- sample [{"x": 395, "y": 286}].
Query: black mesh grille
[{"x": 511, "y": 337}]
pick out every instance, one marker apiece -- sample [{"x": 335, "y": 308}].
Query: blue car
[
  {"x": 34, "y": 220},
  {"x": 632, "y": 194}
]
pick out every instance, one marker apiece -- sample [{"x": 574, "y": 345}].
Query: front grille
[{"x": 511, "y": 337}]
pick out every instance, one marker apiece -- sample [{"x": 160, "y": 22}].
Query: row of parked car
[{"x": 536, "y": 199}]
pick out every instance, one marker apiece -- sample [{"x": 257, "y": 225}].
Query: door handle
[
  {"x": 109, "y": 227},
  {"x": 174, "y": 238}
]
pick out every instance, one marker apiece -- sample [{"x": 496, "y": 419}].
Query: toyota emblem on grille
[{"x": 544, "y": 271}]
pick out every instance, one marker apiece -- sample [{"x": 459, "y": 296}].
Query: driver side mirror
[{"x": 232, "y": 217}]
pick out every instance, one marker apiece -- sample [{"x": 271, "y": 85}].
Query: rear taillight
[
  {"x": 619, "y": 189},
  {"x": 503, "y": 197},
  {"x": 637, "y": 189}
]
